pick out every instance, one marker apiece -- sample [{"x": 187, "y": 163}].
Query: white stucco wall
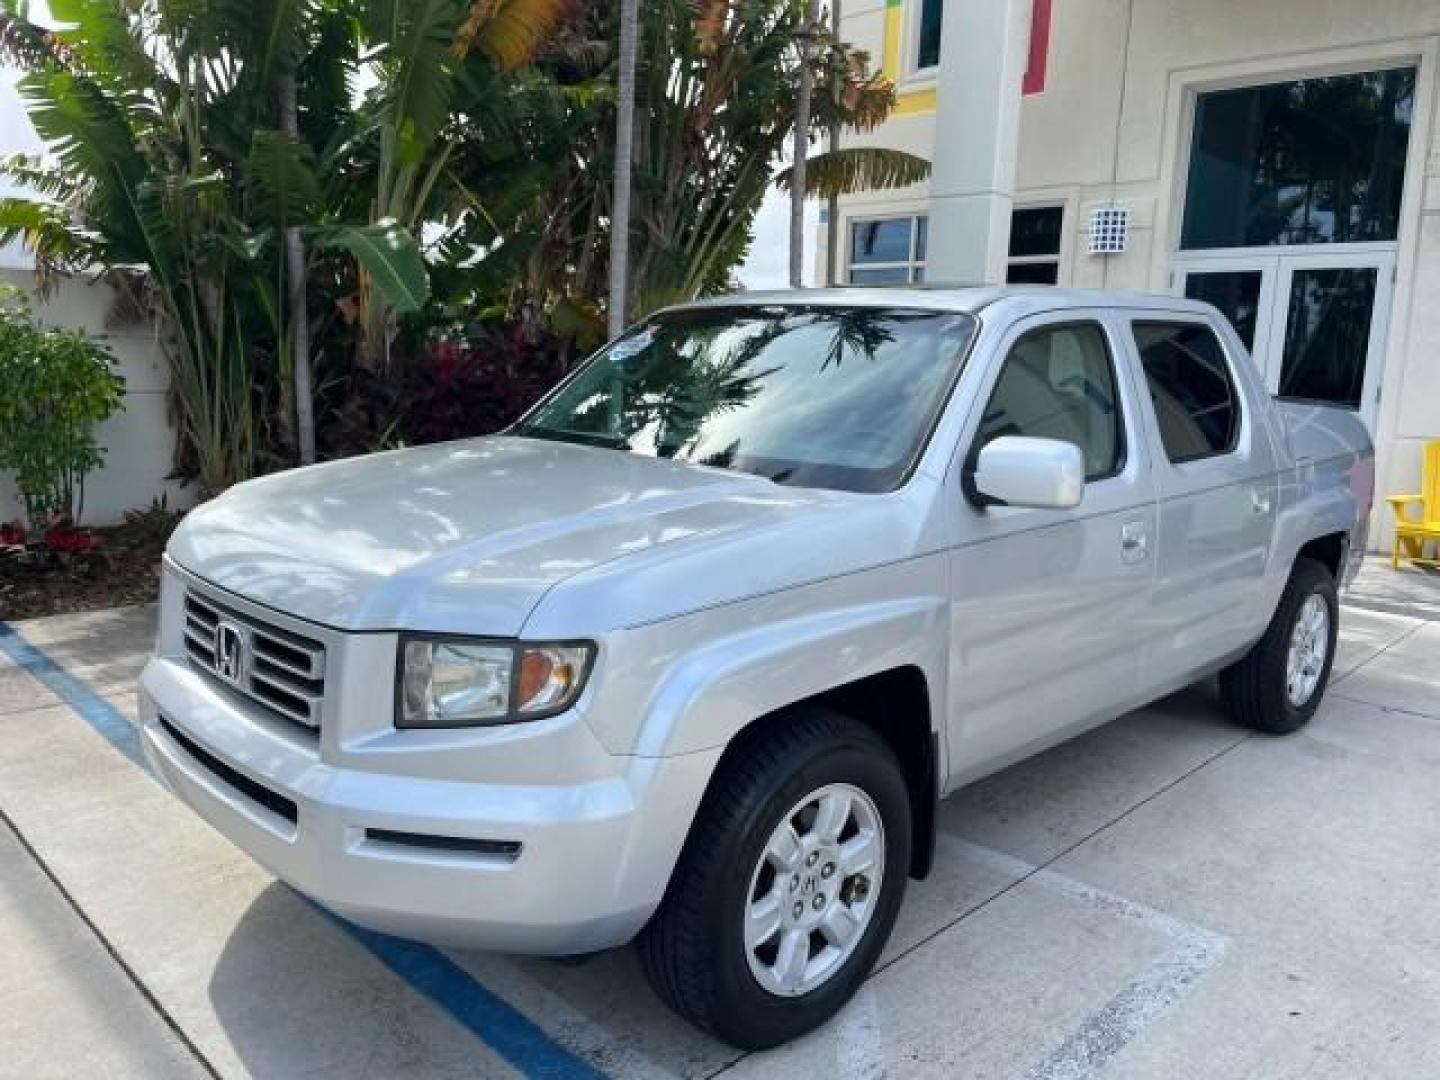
[
  {"x": 138, "y": 441},
  {"x": 1113, "y": 124}
]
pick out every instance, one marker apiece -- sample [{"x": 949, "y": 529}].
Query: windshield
[{"x": 818, "y": 397}]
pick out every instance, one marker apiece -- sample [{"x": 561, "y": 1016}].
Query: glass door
[
  {"x": 1242, "y": 288},
  {"x": 1328, "y": 340},
  {"x": 1315, "y": 323}
]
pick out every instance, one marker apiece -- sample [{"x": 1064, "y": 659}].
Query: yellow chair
[{"x": 1411, "y": 532}]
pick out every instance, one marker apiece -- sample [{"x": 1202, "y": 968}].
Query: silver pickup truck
[{"x": 690, "y": 653}]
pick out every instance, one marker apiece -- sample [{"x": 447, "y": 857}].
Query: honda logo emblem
[{"x": 229, "y": 652}]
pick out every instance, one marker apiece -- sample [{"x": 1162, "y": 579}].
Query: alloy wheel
[
  {"x": 814, "y": 890},
  {"x": 1309, "y": 648}
]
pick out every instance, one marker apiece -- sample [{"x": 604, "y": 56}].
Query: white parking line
[
  {"x": 576, "y": 1030},
  {"x": 1107, "y": 1031}
]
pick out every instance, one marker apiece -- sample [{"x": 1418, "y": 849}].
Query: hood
[{"x": 462, "y": 537}]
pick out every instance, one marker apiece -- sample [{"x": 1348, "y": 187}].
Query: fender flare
[{"x": 713, "y": 693}]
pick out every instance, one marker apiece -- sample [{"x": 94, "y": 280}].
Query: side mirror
[{"x": 1015, "y": 470}]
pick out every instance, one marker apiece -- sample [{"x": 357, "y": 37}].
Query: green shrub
[{"x": 56, "y": 386}]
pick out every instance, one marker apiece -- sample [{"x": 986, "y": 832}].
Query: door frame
[
  {"x": 1186, "y": 83},
  {"x": 1277, "y": 267},
  {"x": 1252, "y": 262}
]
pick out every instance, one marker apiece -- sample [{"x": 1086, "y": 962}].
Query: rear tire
[
  {"x": 706, "y": 953},
  {"x": 1277, "y": 686}
]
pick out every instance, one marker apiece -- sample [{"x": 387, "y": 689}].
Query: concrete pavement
[
  {"x": 1165, "y": 896},
  {"x": 67, "y": 1005}
]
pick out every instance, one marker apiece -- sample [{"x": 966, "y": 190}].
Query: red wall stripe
[{"x": 1039, "y": 63}]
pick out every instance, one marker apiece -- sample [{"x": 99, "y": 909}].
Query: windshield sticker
[{"x": 630, "y": 347}]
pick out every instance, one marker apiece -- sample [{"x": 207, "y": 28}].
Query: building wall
[
  {"x": 1113, "y": 124},
  {"x": 138, "y": 441}
]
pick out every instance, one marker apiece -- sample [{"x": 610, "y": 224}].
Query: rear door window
[{"x": 1196, "y": 404}]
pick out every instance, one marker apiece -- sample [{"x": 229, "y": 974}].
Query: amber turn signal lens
[{"x": 535, "y": 671}]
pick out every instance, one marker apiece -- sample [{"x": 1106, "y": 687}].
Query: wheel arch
[
  {"x": 1330, "y": 550},
  {"x": 896, "y": 704}
]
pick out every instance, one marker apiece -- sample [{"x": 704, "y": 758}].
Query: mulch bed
[{"x": 124, "y": 568}]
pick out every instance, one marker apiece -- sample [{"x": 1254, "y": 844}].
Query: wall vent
[{"x": 1109, "y": 230}]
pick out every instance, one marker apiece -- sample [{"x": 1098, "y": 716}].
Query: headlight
[{"x": 454, "y": 682}]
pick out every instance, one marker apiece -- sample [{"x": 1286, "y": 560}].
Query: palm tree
[
  {"x": 802, "y": 145},
  {"x": 719, "y": 115},
  {"x": 424, "y": 52},
  {"x": 298, "y": 297},
  {"x": 219, "y": 150},
  {"x": 167, "y": 153},
  {"x": 715, "y": 120},
  {"x": 624, "y": 152},
  {"x": 832, "y": 200}
]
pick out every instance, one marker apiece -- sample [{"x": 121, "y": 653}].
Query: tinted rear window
[{"x": 1195, "y": 401}]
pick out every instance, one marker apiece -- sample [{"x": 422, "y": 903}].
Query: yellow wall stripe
[
  {"x": 894, "y": 22},
  {"x": 914, "y": 101},
  {"x": 910, "y": 101}
]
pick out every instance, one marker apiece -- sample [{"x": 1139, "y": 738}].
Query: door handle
[
  {"x": 1259, "y": 501},
  {"x": 1134, "y": 541}
]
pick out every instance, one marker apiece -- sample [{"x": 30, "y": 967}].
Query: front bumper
[{"x": 593, "y": 860}]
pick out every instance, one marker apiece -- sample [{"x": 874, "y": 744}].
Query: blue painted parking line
[
  {"x": 427, "y": 970},
  {"x": 109, "y": 721},
  {"x": 510, "y": 1033}
]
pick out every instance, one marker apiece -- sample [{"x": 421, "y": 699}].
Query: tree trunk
[
  {"x": 624, "y": 139},
  {"x": 298, "y": 300},
  {"x": 832, "y": 204},
  {"x": 802, "y": 147}
]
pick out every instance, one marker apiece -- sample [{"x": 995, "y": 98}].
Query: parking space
[{"x": 1165, "y": 896}]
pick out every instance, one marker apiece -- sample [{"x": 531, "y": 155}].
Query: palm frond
[
  {"x": 26, "y": 45},
  {"x": 106, "y": 42},
  {"x": 90, "y": 137},
  {"x": 586, "y": 55},
  {"x": 33, "y": 173},
  {"x": 509, "y": 32},
  {"x": 856, "y": 169},
  {"x": 711, "y": 19},
  {"x": 45, "y": 230},
  {"x": 391, "y": 257},
  {"x": 327, "y": 73},
  {"x": 279, "y": 40},
  {"x": 280, "y": 180},
  {"x": 416, "y": 58}
]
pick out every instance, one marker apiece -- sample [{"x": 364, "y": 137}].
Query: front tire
[
  {"x": 788, "y": 885},
  {"x": 1277, "y": 686}
]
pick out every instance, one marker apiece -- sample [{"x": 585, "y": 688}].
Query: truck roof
[{"x": 1019, "y": 299}]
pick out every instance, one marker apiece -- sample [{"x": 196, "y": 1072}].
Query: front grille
[
  {"x": 258, "y": 793},
  {"x": 281, "y": 670}
]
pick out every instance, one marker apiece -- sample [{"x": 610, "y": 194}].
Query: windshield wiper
[{"x": 583, "y": 438}]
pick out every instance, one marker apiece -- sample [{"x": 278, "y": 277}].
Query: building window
[
  {"x": 888, "y": 251},
  {"x": 1035, "y": 236},
  {"x": 891, "y": 251},
  {"x": 1315, "y": 161},
  {"x": 931, "y": 14}
]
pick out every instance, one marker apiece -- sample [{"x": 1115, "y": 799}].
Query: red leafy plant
[
  {"x": 68, "y": 540},
  {"x": 476, "y": 386}
]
